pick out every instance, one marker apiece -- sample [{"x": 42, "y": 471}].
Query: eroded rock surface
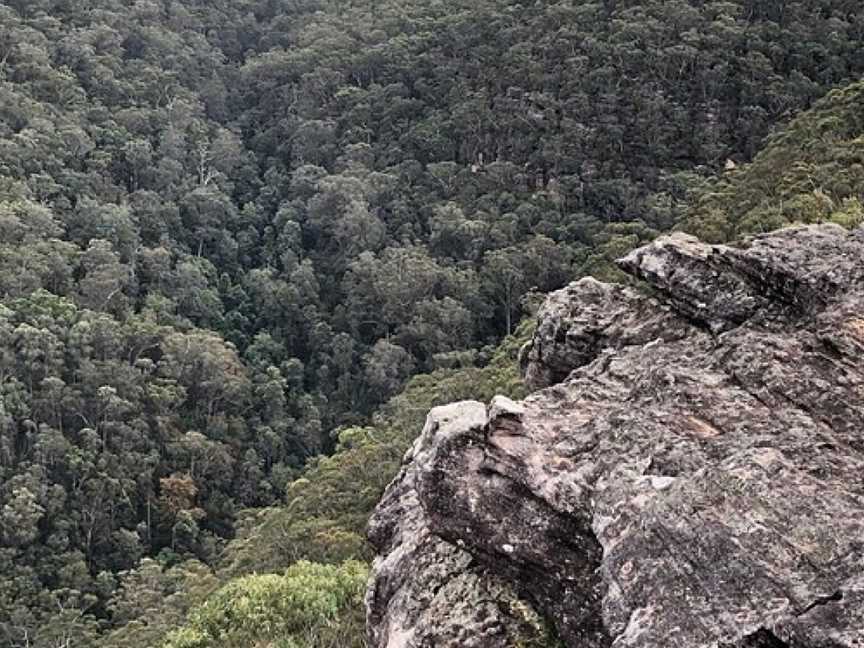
[
  {"x": 428, "y": 592},
  {"x": 691, "y": 472}
]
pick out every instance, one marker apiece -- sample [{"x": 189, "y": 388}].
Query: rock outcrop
[{"x": 690, "y": 472}]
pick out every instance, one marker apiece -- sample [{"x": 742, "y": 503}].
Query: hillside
[
  {"x": 810, "y": 171},
  {"x": 327, "y": 510},
  {"x": 232, "y": 232}
]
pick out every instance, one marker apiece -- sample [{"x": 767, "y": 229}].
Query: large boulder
[{"x": 689, "y": 474}]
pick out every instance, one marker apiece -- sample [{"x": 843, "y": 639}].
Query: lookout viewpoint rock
[{"x": 688, "y": 473}]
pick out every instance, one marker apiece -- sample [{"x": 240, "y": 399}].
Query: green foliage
[
  {"x": 309, "y": 605},
  {"x": 326, "y": 510},
  {"x": 810, "y": 171},
  {"x": 151, "y": 600},
  {"x": 101, "y": 460}
]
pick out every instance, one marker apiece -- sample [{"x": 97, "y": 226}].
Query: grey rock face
[
  {"x": 427, "y": 592},
  {"x": 691, "y": 473}
]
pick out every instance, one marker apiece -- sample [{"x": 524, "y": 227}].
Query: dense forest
[{"x": 232, "y": 231}]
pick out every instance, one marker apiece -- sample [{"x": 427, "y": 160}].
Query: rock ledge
[{"x": 690, "y": 472}]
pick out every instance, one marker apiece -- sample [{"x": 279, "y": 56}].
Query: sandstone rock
[
  {"x": 691, "y": 475},
  {"x": 427, "y": 592},
  {"x": 588, "y": 317}
]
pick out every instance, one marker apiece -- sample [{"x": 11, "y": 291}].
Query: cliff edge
[{"x": 689, "y": 472}]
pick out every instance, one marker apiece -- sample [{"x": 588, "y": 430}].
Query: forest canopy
[{"x": 244, "y": 244}]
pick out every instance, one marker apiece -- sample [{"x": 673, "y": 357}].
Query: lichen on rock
[{"x": 690, "y": 472}]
